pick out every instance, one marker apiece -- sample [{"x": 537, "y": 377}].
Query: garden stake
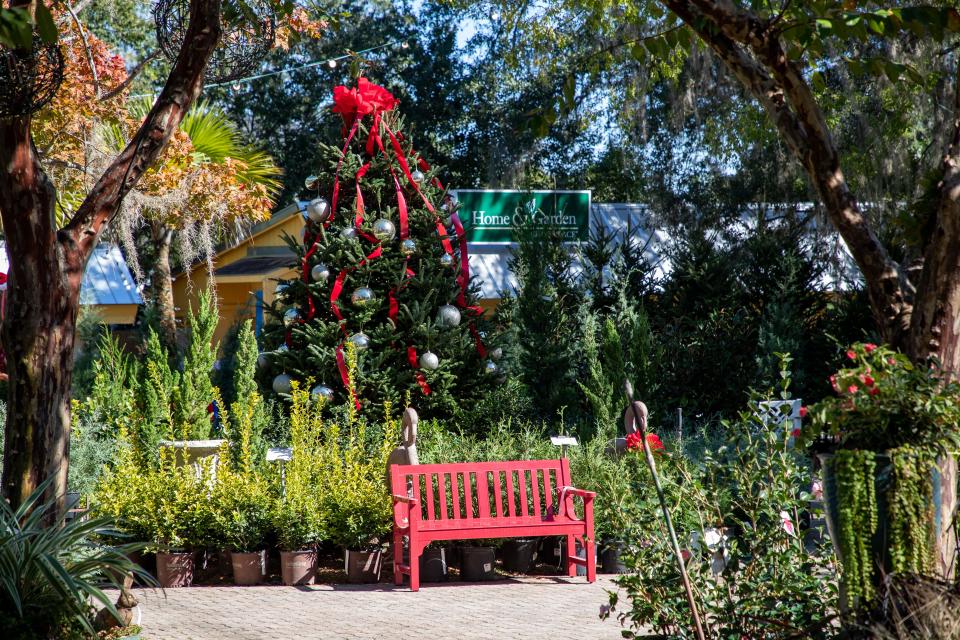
[{"x": 651, "y": 463}]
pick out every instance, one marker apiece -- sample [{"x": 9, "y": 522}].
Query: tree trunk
[
  {"x": 162, "y": 285},
  {"x": 47, "y": 268}
]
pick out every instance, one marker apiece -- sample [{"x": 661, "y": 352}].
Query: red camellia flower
[
  {"x": 803, "y": 412},
  {"x": 853, "y": 388},
  {"x": 867, "y": 380},
  {"x": 367, "y": 98},
  {"x": 869, "y": 347},
  {"x": 851, "y": 354},
  {"x": 653, "y": 442},
  {"x": 874, "y": 391},
  {"x": 833, "y": 383}
]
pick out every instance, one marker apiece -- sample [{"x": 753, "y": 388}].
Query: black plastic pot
[
  {"x": 477, "y": 563},
  {"x": 519, "y": 554},
  {"x": 610, "y": 553},
  {"x": 433, "y": 565}
]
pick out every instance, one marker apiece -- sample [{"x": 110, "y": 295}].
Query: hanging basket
[
  {"x": 247, "y": 35},
  {"x": 29, "y": 78}
]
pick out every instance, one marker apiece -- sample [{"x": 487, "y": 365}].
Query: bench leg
[
  {"x": 397, "y": 557},
  {"x": 589, "y": 546},
  {"x": 415, "y": 550},
  {"x": 571, "y": 552}
]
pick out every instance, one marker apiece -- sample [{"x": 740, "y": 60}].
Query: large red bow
[{"x": 367, "y": 98}]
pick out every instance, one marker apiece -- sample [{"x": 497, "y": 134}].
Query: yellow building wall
[{"x": 236, "y": 294}]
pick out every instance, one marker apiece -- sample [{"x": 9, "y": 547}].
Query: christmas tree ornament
[
  {"x": 446, "y": 260},
  {"x": 417, "y": 176},
  {"x": 348, "y": 233},
  {"x": 361, "y": 341},
  {"x": 311, "y": 182},
  {"x": 283, "y": 348},
  {"x": 290, "y": 317},
  {"x": 429, "y": 361},
  {"x": 322, "y": 392},
  {"x": 362, "y": 296},
  {"x": 448, "y": 316},
  {"x": 320, "y": 272},
  {"x": 496, "y": 354},
  {"x": 408, "y": 247},
  {"x": 263, "y": 361},
  {"x": 490, "y": 367},
  {"x": 384, "y": 230},
  {"x": 451, "y": 203},
  {"x": 318, "y": 210},
  {"x": 280, "y": 290},
  {"x": 502, "y": 377},
  {"x": 282, "y": 384}
]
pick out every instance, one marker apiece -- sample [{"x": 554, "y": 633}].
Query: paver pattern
[{"x": 548, "y": 608}]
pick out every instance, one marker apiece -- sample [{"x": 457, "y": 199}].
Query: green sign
[{"x": 491, "y": 215}]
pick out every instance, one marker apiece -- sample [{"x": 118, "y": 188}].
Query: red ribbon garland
[
  {"x": 421, "y": 379},
  {"x": 345, "y": 375}
]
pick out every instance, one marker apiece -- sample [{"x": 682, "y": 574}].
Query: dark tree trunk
[
  {"x": 47, "y": 268},
  {"x": 162, "y": 285}
]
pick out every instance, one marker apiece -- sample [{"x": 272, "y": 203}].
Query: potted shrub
[
  {"x": 296, "y": 522},
  {"x": 885, "y": 441},
  {"x": 359, "y": 518},
  {"x": 179, "y": 496},
  {"x": 242, "y": 517}
]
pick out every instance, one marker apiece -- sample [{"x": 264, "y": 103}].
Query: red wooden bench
[{"x": 515, "y": 499}]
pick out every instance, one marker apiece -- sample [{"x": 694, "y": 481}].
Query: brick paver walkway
[{"x": 536, "y": 608}]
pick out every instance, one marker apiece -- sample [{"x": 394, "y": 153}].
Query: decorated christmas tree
[{"x": 383, "y": 266}]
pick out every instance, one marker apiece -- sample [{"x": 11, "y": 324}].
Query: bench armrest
[
  {"x": 405, "y": 511},
  {"x": 583, "y": 493},
  {"x": 587, "y": 496}
]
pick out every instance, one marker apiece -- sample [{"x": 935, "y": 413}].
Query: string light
[{"x": 330, "y": 62}]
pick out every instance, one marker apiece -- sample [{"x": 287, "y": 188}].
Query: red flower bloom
[
  {"x": 833, "y": 383},
  {"x": 635, "y": 442},
  {"x": 795, "y": 433},
  {"x": 874, "y": 391},
  {"x": 891, "y": 361},
  {"x": 803, "y": 412},
  {"x": 869, "y": 347},
  {"x": 851, "y": 354},
  {"x": 867, "y": 380},
  {"x": 367, "y": 98},
  {"x": 853, "y": 388}
]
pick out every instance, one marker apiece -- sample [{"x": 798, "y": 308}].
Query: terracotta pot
[
  {"x": 175, "y": 569},
  {"x": 363, "y": 566},
  {"x": 247, "y": 567},
  {"x": 477, "y": 563},
  {"x": 298, "y": 567}
]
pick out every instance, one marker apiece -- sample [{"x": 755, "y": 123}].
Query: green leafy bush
[
  {"x": 49, "y": 574},
  {"x": 737, "y": 515}
]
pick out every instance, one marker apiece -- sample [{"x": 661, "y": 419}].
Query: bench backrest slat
[{"x": 527, "y": 493}]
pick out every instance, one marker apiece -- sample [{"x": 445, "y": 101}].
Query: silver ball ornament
[
  {"x": 496, "y": 354},
  {"x": 417, "y": 175},
  {"x": 310, "y": 182},
  {"x": 490, "y": 367},
  {"x": 448, "y": 316},
  {"x": 446, "y": 260},
  {"x": 384, "y": 230},
  {"x": 322, "y": 392},
  {"x": 280, "y": 290},
  {"x": 282, "y": 384},
  {"x": 362, "y": 296},
  {"x": 263, "y": 361},
  {"x": 429, "y": 361},
  {"x": 349, "y": 233},
  {"x": 290, "y": 317},
  {"x": 361, "y": 341},
  {"x": 408, "y": 247},
  {"x": 283, "y": 348},
  {"x": 320, "y": 272},
  {"x": 318, "y": 210}
]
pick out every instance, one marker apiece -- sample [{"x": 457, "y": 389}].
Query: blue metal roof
[{"x": 106, "y": 280}]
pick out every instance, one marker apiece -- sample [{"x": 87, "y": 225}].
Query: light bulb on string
[
  {"x": 332, "y": 64},
  {"x": 404, "y": 45}
]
